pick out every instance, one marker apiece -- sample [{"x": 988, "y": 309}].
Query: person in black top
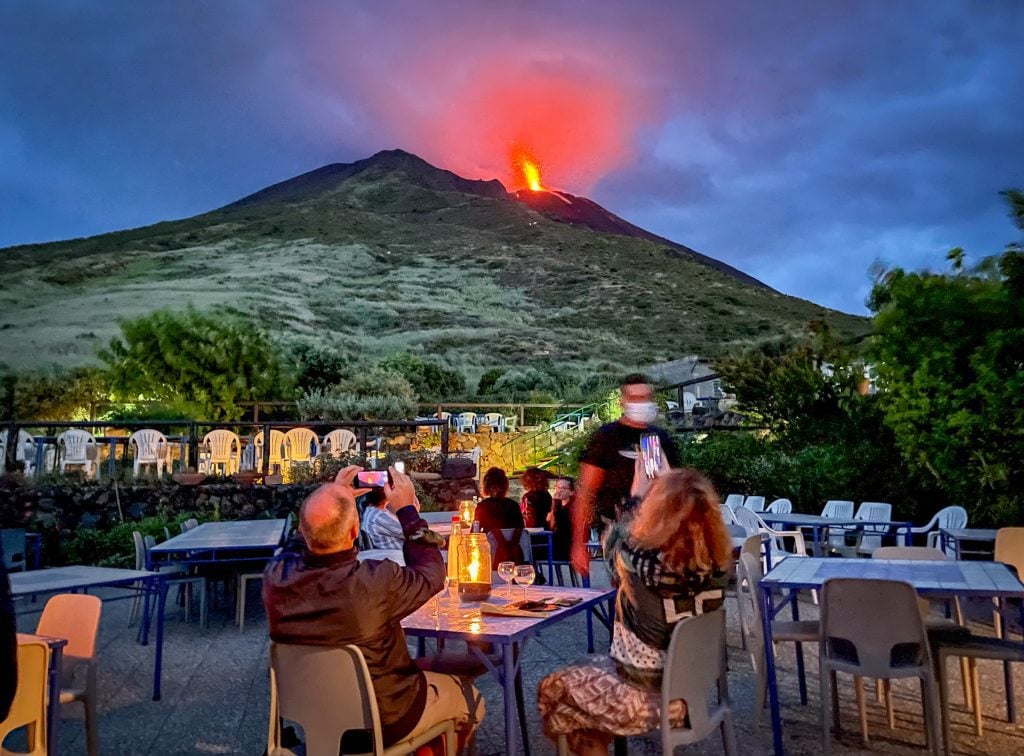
[
  {"x": 497, "y": 511},
  {"x": 606, "y": 467},
  {"x": 536, "y": 501},
  {"x": 8, "y": 643},
  {"x": 560, "y": 517}
]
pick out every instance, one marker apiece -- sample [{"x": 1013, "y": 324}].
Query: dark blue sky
[{"x": 799, "y": 141}]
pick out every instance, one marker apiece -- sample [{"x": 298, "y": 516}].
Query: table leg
[
  {"x": 769, "y": 669},
  {"x": 908, "y": 537},
  {"x": 509, "y": 685},
  {"x": 799, "y": 652},
  {"x": 551, "y": 558},
  {"x": 161, "y": 603},
  {"x": 590, "y": 619},
  {"x": 816, "y": 537},
  {"x": 112, "y": 462},
  {"x": 53, "y": 706}
]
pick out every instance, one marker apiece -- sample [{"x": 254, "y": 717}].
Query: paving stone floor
[{"x": 215, "y": 694}]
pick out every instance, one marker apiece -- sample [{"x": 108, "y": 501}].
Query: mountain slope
[{"x": 390, "y": 254}]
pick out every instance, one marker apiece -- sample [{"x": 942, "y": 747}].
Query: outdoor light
[
  {"x": 467, "y": 511},
  {"x": 474, "y": 555}
]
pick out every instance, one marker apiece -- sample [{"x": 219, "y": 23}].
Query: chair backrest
[
  {"x": 140, "y": 548},
  {"x": 524, "y": 543},
  {"x": 748, "y": 580},
  {"x": 840, "y": 509},
  {"x": 309, "y": 684},
  {"x": 299, "y": 441},
  {"x": 729, "y": 516},
  {"x": 12, "y": 541},
  {"x": 494, "y": 418},
  {"x": 77, "y": 444},
  {"x": 952, "y": 517},
  {"x": 444, "y": 415},
  {"x": 752, "y": 546},
  {"x": 873, "y": 626},
  {"x": 150, "y": 444},
  {"x": 76, "y": 618},
  {"x": 689, "y": 400},
  {"x": 748, "y": 520},
  {"x": 781, "y": 506},
  {"x": 1010, "y": 548},
  {"x": 339, "y": 441},
  {"x": 149, "y": 541},
  {"x": 511, "y": 422},
  {"x": 754, "y": 503},
  {"x": 29, "y": 705},
  {"x": 223, "y": 444},
  {"x": 734, "y": 500},
  {"x": 467, "y": 417},
  {"x": 25, "y": 449},
  {"x": 874, "y": 510},
  {"x": 276, "y": 445},
  {"x": 695, "y": 662},
  {"x": 191, "y": 523}
]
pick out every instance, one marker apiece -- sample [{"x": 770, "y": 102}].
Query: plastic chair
[
  {"x": 328, "y": 691},
  {"x": 79, "y": 450},
  {"x": 28, "y": 709},
  {"x": 754, "y": 503},
  {"x": 24, "y": 452},
  {"x": 734, "y": 500},
  {"x": 12, "y": 541},
  {"x": 525, "y": 543},
  {"x": 495, "y": 421},
  {"x": 76, "y": 618},
  {"x": 150, "y": 449},
  {"x": 277, "y": 451},
  {"x": 872, "y": 628},
  {"x": 244, "y": 578},
  {"x": 947, "y": 517},
  {"x": 465, "y": 422},
  {"x": 781, "y": 506},
  {"x": 301, "y": 445},
  {"x": 177, "y": 576},
  {"x": 748, "y": 581},
  {"x": 775, "y": 543},
  {"x": 223, "y": 448},
  {"x": 510, "y": 423},
  {"x": 695, "y": 663},
  {"x": 838, "y": 509},
  {"x": 190, "y": 524},
  {"x": 339, "y": 441}
]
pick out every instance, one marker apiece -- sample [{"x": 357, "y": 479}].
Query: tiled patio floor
[{"x": 215, "y": 696}]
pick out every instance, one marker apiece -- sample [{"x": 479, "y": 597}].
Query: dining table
[
  {"x": 820, "y": 526},
  {"x": 449, "y": 618}
]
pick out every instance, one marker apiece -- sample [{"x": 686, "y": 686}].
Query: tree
[
  {"x": 950, "y": 360},
  {"x": 431, "y": 381},
  {"x": 204, "y": 364},
  {"x": 52, "y": 395}
]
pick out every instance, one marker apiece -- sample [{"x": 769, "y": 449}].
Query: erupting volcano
[{"x": 528, "y": 166}]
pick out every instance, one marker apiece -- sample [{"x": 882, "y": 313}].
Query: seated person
[
  {"x": 536, "y": 502},
  {"x": 670, "y": 561},
  {"x": 497, "y": 511},
  {"x": 560, "y": 518},
  {"x": 316, "y": 592},
  {"x": 382, "y": 528}
]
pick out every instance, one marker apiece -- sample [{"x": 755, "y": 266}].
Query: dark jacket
[
  {"x": 335, "y": 600},
  {"x": 8, "y": 643},
  {"x": 495, "y": 513},
  {"x": 536, "y": 506}
]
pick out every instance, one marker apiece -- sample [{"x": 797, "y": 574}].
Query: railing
[{"x": 188, "y": 435}]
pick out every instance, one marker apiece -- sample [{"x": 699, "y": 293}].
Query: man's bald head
[{"x": 328, "y": 519}]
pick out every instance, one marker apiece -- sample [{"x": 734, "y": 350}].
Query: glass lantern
[
  {"x": 467, "y": 511},
  {"x": 474, "y": 555}
]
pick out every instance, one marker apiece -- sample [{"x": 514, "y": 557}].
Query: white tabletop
[
  {"x": 237, "y": 534},
  {"x": 456, "y": 619},
  {"x": 71, "y": 577}
]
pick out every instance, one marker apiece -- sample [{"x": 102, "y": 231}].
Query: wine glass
[
  {"x": 524, "y": 576},
  {"x": 437, "y": 596},
  {"x": 506, "y": 570}
]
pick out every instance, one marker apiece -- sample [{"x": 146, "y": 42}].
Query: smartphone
[
  {"x": 400, "y": 466},
  {"x": 372, "y": 478},
  {"x": 650, "y": 453}
]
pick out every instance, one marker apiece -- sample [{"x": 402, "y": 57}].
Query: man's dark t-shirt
[
  {"x": 498, "y": 514},
  {"x": 604, "y": 452}
]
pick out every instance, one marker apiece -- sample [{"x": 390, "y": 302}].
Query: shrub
[{"x": 428, "y": 379}]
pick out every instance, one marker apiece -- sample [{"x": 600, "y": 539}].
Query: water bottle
[{"x": 453, "y": 550}]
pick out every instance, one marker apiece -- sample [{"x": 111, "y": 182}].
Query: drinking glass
[
  {"x": 524, "y": 576},
  {"x": 506, "y": 570}
]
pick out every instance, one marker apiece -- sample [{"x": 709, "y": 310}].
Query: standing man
[{"x": 606, "y": 467}]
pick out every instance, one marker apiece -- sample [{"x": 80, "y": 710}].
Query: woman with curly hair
[
  {"x": 536, "y": 503},
  {"x": 670, "y": 561}
]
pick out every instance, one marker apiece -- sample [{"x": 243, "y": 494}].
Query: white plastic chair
[
  {"x": 872, "y": 628},
  {"x": 28, "y": 709},
  {"x": 748, "y": 580},
  {"x": 950, "y": 518},
  {"x": 223, "y": 448},
  {"x": 510, "y": 423},
  {"x": 754, "y": 503},
  {"x": 79, "y": 450},
  {"x": 780, "y": 506},
  {"x": 837, "y": 509},
  {"x": 24, "y": 452},
  {"x": 689, "y": 401},
  {"x": 495, "y": 421},
  {"x": 299, "y": 444},
  {"x": 875, "y": 511},
  {"x": 339, "y": 441},
  {"x": 76, "y": 618},
  {"x": 150, "y": 449},
  {"x": 328, "y": 691},
  {"x": 465, "y": 422},
  {"x": 775, "y": 543},
  {"x": 277, "y": 452},
  {"x": 734, "y": 500},
  {"x": 177, "y": 575}
]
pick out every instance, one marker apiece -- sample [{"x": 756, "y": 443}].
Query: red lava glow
[{"x": 524, "y": 162}]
